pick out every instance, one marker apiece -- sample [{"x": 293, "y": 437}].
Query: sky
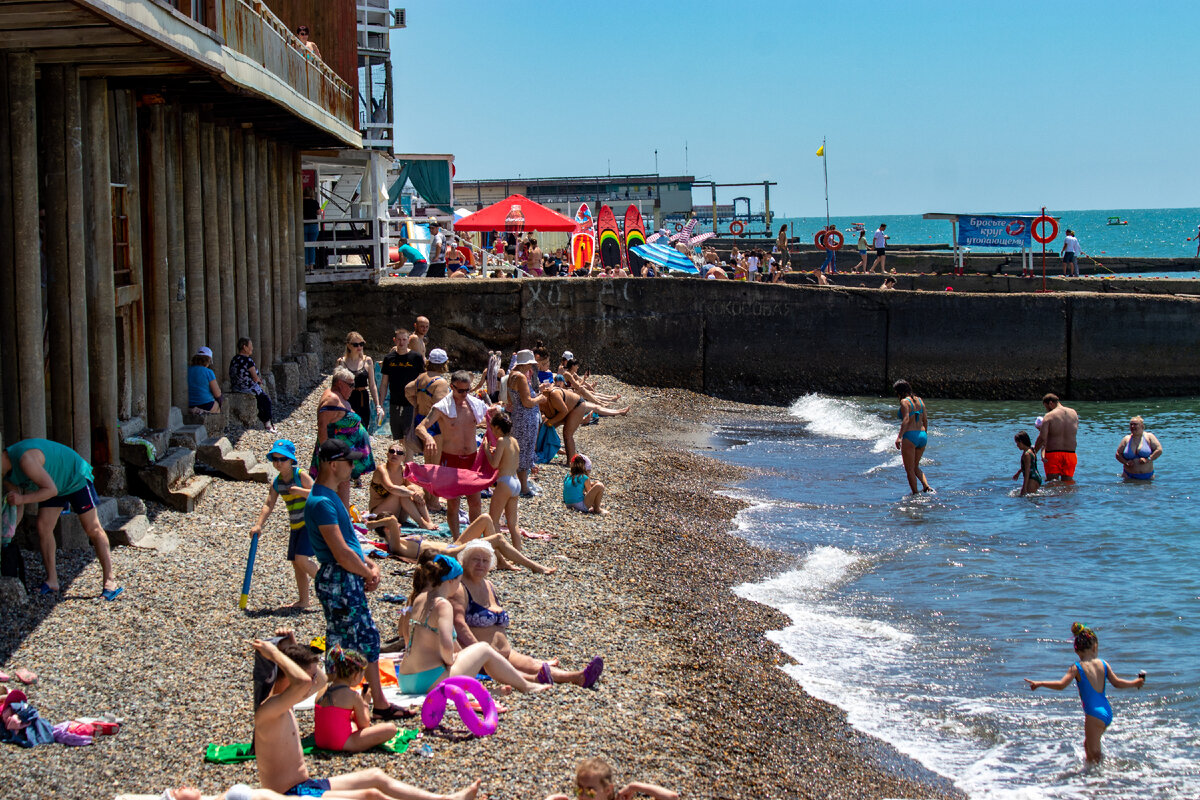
[{"x": 954, "y": 106}]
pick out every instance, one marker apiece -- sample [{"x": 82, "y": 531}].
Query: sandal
[
  {"x": 45, "y": 589},
  {"x": 111, "y": 594},
  {"x": 591, "y": 673},
  {"x": 543, "y": 675},
  {"x": 25, "y": 676},
  {"x": 392, "y": 713}
]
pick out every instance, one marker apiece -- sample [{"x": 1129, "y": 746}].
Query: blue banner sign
[{"x": 994, "y": 231}]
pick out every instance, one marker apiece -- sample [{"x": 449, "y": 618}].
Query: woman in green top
[{"x": 55, "y": 476}]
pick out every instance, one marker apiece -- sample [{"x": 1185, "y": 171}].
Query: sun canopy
[{"x": 517, "y": 213}]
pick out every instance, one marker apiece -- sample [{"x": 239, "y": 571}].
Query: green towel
[
  {"x": 235, "y": 753},
  {"x": 409, "y": 528}
]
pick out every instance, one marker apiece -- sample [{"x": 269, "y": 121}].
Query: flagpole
[{"x": 825, "y": 164}]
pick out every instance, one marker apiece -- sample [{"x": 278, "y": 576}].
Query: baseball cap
[
  {"x": 333, "y": 450},
  {"x": 567, "y": 355},
  {"x": 438, "y": 356},
  {"x": 204, "y": 351}
]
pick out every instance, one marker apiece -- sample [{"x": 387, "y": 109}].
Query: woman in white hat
[
  {"x": 204, "y": 392},
  {"x": 523, "y": 406}
]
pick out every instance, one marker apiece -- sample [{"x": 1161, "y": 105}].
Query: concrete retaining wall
[{"x": 773, "y": 342}]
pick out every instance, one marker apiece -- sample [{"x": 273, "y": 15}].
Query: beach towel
[
  {"x": 8, "y": 522},
  {"x": 448, "y": 409},
  {"x": 452, "y": 482},
  {"x": 236, "y": 753},
  {"x": 548, "y": 444},
  {"x": 410, "y": 528}
]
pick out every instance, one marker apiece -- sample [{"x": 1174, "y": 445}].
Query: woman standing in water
[
  {"x": 1137, "y": 451},
  {"x": 913, "y": 435}
]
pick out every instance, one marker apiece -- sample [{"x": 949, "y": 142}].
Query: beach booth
[
  {"x": 1006, "y": 231},
  {"x": 515, "y": 214}
]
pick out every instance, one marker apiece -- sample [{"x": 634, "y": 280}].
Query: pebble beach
[{"x": 691, "y": 697}]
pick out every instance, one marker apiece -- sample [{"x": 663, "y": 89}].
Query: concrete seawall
[{"x": 772, "y": 343}]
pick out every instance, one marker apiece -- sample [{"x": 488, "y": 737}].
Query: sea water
[{"x": 920, "y": 615}]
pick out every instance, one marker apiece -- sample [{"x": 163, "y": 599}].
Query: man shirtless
[
  {"x": 458, "y": 415},
  {"x": 281, "y": 765},
  {"x": 1059, "y": 428},
  {"x": 425, "y": 390},
  {"x": 418, "y": 340}
]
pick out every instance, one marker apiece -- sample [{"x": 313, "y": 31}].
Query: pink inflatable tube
[{"x": 456, "y": 689}]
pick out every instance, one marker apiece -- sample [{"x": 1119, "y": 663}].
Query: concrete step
[
  {"x": 187, "y": 496},
  {"x": 214, "y": 422},
  {"x": 135, "y": 453},
  {"x": 164, "y": 477},
  {"x": 68, "y": 531},
  {"x": 238, "y": 465},
  {"x": 188, "y": 436},
  {"x": 128, "y": 531},
  {"x": 243, "y": 408}
]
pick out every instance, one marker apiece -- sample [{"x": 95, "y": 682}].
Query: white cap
[
  {"x": 438, "y": 356},
  {"x": 204, "y": 351},
  {"x": 567, "y": 355}
]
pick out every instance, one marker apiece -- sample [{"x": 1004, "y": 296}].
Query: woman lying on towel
[
  {"x": 479, "y": 617},
  {"x": 430, "y": 656},
  {"x": 412, "y": 547}
]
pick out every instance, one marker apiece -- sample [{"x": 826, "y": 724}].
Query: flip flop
[
  {"x": 543, "y": 675},
  {"x": 591, "y": 673},
  {"x": 5, "y": 677},
  {"x": 25, "y": 676},
  {"x": 45, "y": 589},
  {"x": 112, "y": 594}
]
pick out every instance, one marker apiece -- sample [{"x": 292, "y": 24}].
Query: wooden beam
[{"x": 34, "y": 38}]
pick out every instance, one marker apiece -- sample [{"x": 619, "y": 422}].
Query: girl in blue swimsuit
[
  {"x": 913, "y": 435},
  {"x": 1088, "y": 673}
]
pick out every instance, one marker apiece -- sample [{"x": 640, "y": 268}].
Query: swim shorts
[
  {"x": 880, "y": 251},
  {"x": 1060, "y": 462},
  {"x": 347, "y": 618},
  {"x": 1068, "y": 257},
  {"x": 458, "y": 462},
  {"x": 299, "y": 544},
  {"x": 401, "y": 419},
  {"x": 313, "y": 787},
  {"x": 80, "y": 501}
]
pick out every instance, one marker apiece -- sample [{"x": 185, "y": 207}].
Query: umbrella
[
  {"x": 665, "y": 257},
  {"x": 516, "y": 213}
]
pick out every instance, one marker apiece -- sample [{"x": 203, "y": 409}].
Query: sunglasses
[
  {"x": 580, "y": 791},
  {"x": 395, "y": 452},
  {"x": 358, "y": 344},
  {"x": 279, "y": 459},
  {"x": 462, "y": 388}
]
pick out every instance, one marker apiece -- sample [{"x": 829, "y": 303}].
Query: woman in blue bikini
[
  {"x": 429, "y": 656},
  {"x": 1137, "y": 452},
  {"x": 913, "y": 435},
  {"x": 1089, "y": 672}
]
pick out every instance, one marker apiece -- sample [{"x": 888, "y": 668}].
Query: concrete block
[
  {"x": 174, "y": 418},
  {"x": 214, "y": 422},
  {"x": 131, "y": 427},
  {"x": 109, "y": 479},
  {"x": 188, "y": 436},
  {"x": 269, "y": 380},
  {"x": 130, "y": 506},
  {"x": 68, "y": 530},
  {"x": 135, "y": 453},
  {"x": 189, "y": 495},
  {"x": 128, "y": 531},
  {"x": 287, "y": 379},
  {"x": 242, "y": 407},
  {"x": 212, "y": 450},
  {"x": 12, "y": 592},
  {"x": 170, "y": 470}
]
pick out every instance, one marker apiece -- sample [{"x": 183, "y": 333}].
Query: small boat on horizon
[{"x": 1117, "y": 221}]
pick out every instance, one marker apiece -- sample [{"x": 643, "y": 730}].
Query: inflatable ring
[
  {"x": 678, "y": 227},
  {"x": 834, "y": 240},
  {"x": 736, "y": 227},
  {"x": 456, "y": 689},
  {"x": 819, "y": 239},
  {"x": 1039, "y": 223}
]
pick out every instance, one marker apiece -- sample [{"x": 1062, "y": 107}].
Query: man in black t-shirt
[{"x": 400, "y": 367}]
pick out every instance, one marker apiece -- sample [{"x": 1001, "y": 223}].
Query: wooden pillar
[
  {"x": 288, "y": 305},
  {"x": 193, "y": 232},
  {"x": 253, "y": 309},
  {"x": 158, "y": 211},
  {"x": 10, "y": 396},
  {"x": 237, "y": 210},
  {"x": 265, "y": 312},
  {"x": 279, "y": 284},
  {"x": 177, "y": 282},
  {"x": 228, "y": 297},
  {"x": 125, "y": 154},
  {"x": 222, "y": 352},
  {"x": 298, "y": 239},
  {"x": 101, "y": 293}
]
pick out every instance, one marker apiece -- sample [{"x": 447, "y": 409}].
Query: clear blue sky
[{"x": 956, "y": 106}]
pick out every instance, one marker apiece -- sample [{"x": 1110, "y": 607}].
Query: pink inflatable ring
[{"x": 456, "y": 689}]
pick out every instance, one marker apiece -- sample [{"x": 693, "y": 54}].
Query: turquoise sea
[
  {"x": 1151, "y": 232},
  {"x": 921, "y": 615}
]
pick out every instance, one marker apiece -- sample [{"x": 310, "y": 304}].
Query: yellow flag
[{"x": 821, "y": 150}]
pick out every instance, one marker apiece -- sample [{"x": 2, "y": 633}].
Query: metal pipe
[
  {"x": 177, "y": 280},
  {"x": 228, "y": 294},
  {"x": 222, "y": 350},
  {"x": 266, "y": 312}
]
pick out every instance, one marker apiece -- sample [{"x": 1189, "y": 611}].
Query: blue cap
[
  {"x": 452, "y": 562},
  {"x": 285, "y": 448}
]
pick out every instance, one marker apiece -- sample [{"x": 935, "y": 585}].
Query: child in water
[
  {"x": 1028, "y": 472},
  {"x": 1090, "y": 671},
  {"x": 341, "y": 720},
  {"x": 594, "y": 781},
  {"x": 580, "y": 492},
  {"x": 293, "y": 485}
]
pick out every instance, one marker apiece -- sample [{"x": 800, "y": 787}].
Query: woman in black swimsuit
[{"x": 363, "y": 368}]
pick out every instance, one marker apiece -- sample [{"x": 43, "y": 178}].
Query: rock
[{"x": 12, "y": 592}]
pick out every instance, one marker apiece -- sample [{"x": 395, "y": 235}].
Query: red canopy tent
[{"x": 516, "y": 213}]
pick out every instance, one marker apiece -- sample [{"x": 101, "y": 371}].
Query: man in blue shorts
[{"x": 56, "y": 477}]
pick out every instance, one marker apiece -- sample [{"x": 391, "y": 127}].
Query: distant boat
[{"x": 1117, "y": 221}]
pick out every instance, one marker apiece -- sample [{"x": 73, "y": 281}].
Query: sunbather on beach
[
  {"x": 479, "y": 617},
  {"x": 594, "y": 780},
  {"x": 504, "y": 458},
  {"x": 569, "y": 409},
  {"x": 341, "y": 720},
  {"x": 430, "y": 656},
  {"x": 277, "y": 748},
  {"x": 482, "y": 527},
  {"x": 392, "y": 493},
  {"x": 570, "y": 375}
]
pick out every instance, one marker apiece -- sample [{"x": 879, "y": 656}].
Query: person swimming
[{"x": 1088, "y": 672}]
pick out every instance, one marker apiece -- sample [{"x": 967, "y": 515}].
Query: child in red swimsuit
[{"x": 341, "y": 719}]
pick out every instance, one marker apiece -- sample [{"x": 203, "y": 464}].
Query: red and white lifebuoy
[
  {"x": 1039, "y": 225},
  {"x": 678, "y": 227},
  {"x": 737, "y": 227},
  {"x": 819, "y": 239},
  {"x": 834, "y": 240}
]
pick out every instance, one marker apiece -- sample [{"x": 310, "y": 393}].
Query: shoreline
[{"x": 691, "y": 697}]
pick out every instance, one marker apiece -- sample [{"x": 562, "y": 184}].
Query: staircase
[
  {"x": 163, "y": 460},
  {"x": 239, "y": 465}
]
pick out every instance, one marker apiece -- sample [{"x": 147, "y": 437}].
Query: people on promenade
[
  {"x": 479, "y": 617},
  {"x": 861, "y": 266},
  {"x": 913, "y": 435},
  {"x": 293, "y": 486},
  {"x": 829, "y": 265},
  {"x": 781, "y": 245},
  {"x": 880, "y": 240},
  {"x": 309, "y": 45},
  {"x": 580, "y": 492},
  {"x": 204, "y": 390},
  {"x": 457, "y": 415},
  {"x": 337, "y": 420},
  {"x": 422, "y": 392},
  {"x": 437, "y": 250},
  {"x": 594, "y": 780},
  {"x": 1027, "y": 470},
  {"x": 398, "y": 369},
  {"x": 1060, "y": 425},
  {"x": 277, "y": 748},
  {"x": 56, "y": 477},
  {"x": 1138, "y": 451},
  {"x": 524, "y": 407},
  {"x": 568, "y": 409},
  {"x": 244, "y": 377},
  {"x": 1070, "y": 255},
  {"x": 504, "y": 458},
  {"x": 430, "y": 655},
  {"x": 1089, "y": 673},
  {"x": 394, "y": 495},
  {"x": 406, "y": 253},
  {"x": 362, "y": 367},
  {"x": 1197, "y": 238},
  {"x": 888, "y": 283}
]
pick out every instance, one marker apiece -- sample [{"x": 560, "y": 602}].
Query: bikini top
[
  {"x": 424, "y": 623},
  {"x": 425, "y": 388},
  {"x": 916, "y": 409},
  {"x": 1144, "y": 450},
  {"x": 480, "y": 616}
]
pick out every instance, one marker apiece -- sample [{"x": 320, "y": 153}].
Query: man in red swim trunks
[
  {"x": 457, "y": 415},
  {"x": 1059, "y": 428}
]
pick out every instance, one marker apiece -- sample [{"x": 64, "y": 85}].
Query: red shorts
[
  {"x": 458, "y": 462},
  {"x": 1059, "y": 462}
]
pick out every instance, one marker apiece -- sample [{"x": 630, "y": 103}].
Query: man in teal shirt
[{"x": 55, "y": 476}]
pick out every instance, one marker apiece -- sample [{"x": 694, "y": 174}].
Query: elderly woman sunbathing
[
  {"x": 412, "y": 546},
  {"x": 479, "y": 617}
]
